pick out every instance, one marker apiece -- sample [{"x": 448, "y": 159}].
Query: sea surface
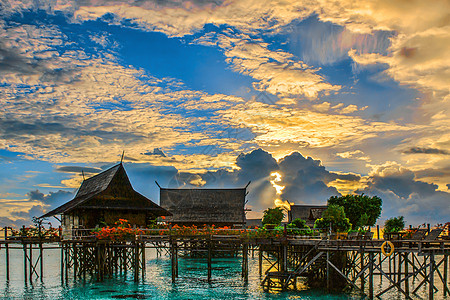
[{"x": 192, "y": 282}]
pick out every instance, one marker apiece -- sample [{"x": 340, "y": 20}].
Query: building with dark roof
[
  {"x": 221, "y": 207},
  {"x": 104, "y": 199},
  {"x": 309, "y": 213}
]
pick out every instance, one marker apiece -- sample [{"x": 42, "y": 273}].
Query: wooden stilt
[
  {"x": 25, "y": 262},
  {"x": 41, "y": 261},
  {"x": 361, "y": 257},
  {"x": 245, "y": 262},
  {"x": 371, "y": 262},
  {"x": 143, "y": 260},
  {"x": 209, "y": 259},
  {"x": 445, "y": 274},
  {"x": 75, "y": 260},
  {"x": 7, "y": 253},
  {"x": 31, "y": 262},
  {"x": 62, "y": 263},
  {"x": 260, "y": 255},
  {"x": 431, "y": 278},
  {"x": 328, "y": 270},
  {"x": 136, "y": 261},
  {"x": 173, "y": 257},
  {"x": 406, "y": 261}
]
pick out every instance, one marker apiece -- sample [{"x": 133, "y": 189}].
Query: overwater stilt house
[
  {"x": 104, "y": 199},
  {"x": 309, "y": 213},
  {"x": 221, "y": 207}
]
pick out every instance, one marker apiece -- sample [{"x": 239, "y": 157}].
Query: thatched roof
[
  {"x": 309, "y": 213},
  {"x": 111, "y": 190},
  {"x": 204, "y": 206}
]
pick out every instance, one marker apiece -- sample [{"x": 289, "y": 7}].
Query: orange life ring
[{"x": 383, "y": 246}]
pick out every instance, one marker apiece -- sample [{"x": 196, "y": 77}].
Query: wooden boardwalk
[{"x": 282, "y": 261}]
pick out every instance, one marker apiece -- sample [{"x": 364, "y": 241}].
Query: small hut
[
  {"x": 221, "y": 207},
  {"x": 104, "y": 199},
  {"x": 309, "y": 213}
]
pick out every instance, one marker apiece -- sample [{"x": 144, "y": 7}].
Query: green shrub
[
  {"x": 334, "y": 215},
  {"x": 273, "y": 216},
  {"x": 394, "y": 224},
  {"x": 361, "y": 210}
]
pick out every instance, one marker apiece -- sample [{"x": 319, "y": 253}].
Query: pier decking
[{"x": 355, "y": 264}]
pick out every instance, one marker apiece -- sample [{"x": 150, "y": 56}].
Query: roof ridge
[{"x": 102, "y": 172}]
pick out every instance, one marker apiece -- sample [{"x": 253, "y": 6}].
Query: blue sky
[{"x": 354, "y": 96}]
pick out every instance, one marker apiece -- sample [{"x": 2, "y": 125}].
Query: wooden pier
[{"x": 415, "y": 265}]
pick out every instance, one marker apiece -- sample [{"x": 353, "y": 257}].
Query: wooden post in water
[
  {"x": 75, "y": 260},
  {"x": 362, "y": 268},
  {"x": 371, "y": 262},
  {"x": 245, "y": 261},
  {"x": 406, "y": 255},
  {"x": 62, "y": 263},
  {"x": 25, "y": 261},
  {"x": 136, "y": 261},
  {"x": 7, "y": 253},
  {"x": 328, "y": 271},
  {"x": 174, "y": 259},
  {"x": 260, "y": 255},
  {"x": 445, "y": 274},
  {"x": 143, "y": 260},
  {"x": 41, "y": 261},
  {"x": 209, "y": 259},
  {"x": 431, "y": 278},
  {"x": 31, "y": 262}
]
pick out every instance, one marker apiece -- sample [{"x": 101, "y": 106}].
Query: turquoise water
[{"x": 192, "y": 282}]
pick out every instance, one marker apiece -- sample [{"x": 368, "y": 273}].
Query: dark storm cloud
[
  {"x": 418, "y": 150},
  {"x": 53, "y": 198},
  {"x": 416, "y": 200},
  {"x": 256, "y": 164},
  {"x": 305, "y": 180}
]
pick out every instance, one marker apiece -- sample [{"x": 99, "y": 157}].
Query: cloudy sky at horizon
[{"x": 336, "y": 97}]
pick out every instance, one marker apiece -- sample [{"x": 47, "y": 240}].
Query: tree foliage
[
  {"x": 298, "y": 223},
  {"x": 361, "y": 210},
  {"x": 335, "y": 216},
  {"x": 394, "y": 224},
  {"x": 273, "y": 216}
]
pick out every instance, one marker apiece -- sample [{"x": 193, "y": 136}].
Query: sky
[{"x": 305, "y": 99}]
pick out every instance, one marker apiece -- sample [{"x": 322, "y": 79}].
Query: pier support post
[
  {"x": 173, "y": 255},
  {"x": 405, "y": 261},
  {"x": 41, "y": 261},
  {"x": 371, "y": 262},
  {"x": 143, "y": 260},
  {"x": 62, "y": 263},
  {"x": 209, "y": 259},
  {"x": 431, "y": 278},
  {"x": 362, "y": 269},
  {"x": 328, "y": 271},
  {"x": 7, "y": 253},
  {"x": 75, "y": 260},
  {"x": 25, "y": 261},
  {"x": 245, "y": 261},
  {"x": 260, "y": 256},
  {"x": 445, "y": 274},
  {"x": 136, "y": 261}
]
